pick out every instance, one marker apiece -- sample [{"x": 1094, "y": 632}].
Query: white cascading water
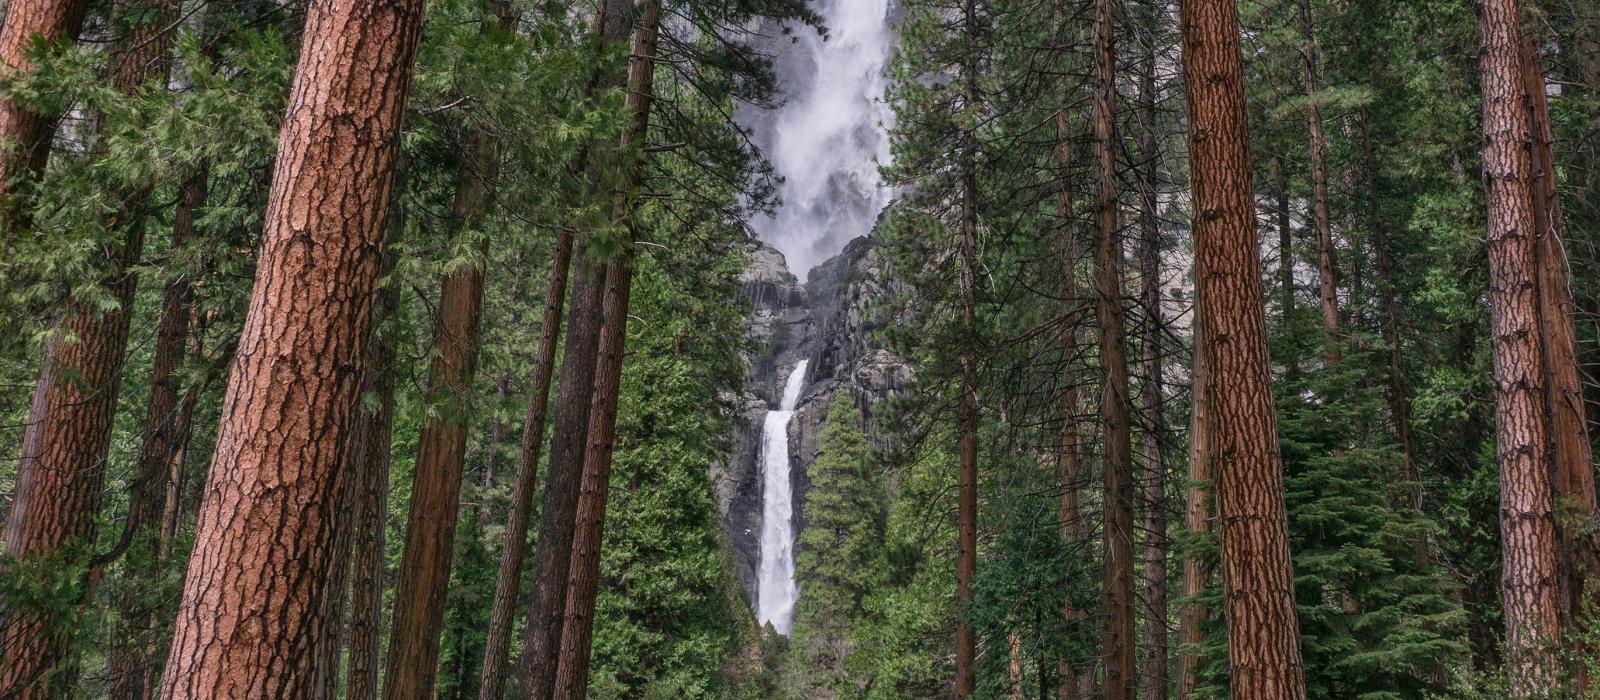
[
  {"x": 776, "y": 592},
  {"x": 829, "y": 138}
]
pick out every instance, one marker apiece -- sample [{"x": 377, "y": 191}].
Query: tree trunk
[
  {"x": 498, "y": 432},
  {"x": 1527, "y": 523},
  {"x": 370, "y": 454},
  {"x": 1117, "y": 643},
  {"x": 252, "y": 605},
  {"x": 1196, "y": 507},
  {"x": 1153, "y": 675},
  {"x": 62, "y": 469},
  {"x": 1069, "y": 468},
  {"x": 572, "y": 675},
  {"x": 1263, "y": 633},
  {"x": 419, "y": 601},
  {"x": 54, "y": 21},
  {"x": 497, "y": 643},
  {"x": 547, "y": 604},
  {"x": 1285, "y": 261},
  {"x": 133, "y": 656},
  {"x": 1323, "y": 222},
  {"x": 967, "y": 406}
]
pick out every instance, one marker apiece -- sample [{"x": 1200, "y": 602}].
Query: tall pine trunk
[
  {"x": 63, "y": 464},
  {"x": 1197, "y": 510},
  {"x": 252, "y": 610},
  {"x": 547, "y": 603},
  {"x": 419, "y": 601},
  {"x": 572, "y": 675},
  {"x": 56, "y": 22},
  {"x": 1529, "y": 589},
  {"x": 967, "y": 401},
  {"x": 1263, "y": 632},
  {"x": 1117, "y": 643}
]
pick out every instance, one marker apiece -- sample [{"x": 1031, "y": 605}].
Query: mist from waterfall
[
  {"x": 829, "y": 138},
  {"x": 776, "y": 591}
]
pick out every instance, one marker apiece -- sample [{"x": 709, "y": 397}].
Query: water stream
[{"x": 775, "y": 593}]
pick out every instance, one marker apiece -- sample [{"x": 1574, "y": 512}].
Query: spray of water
[
  {"x": 776, "y": 592},
  {"x": 829, "y": 138}
]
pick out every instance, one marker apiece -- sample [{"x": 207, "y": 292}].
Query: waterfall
[
  {"x": 776, "y": 592},
  {"x": 829, "y": 137}
]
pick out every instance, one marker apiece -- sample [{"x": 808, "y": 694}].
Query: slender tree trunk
[
  {"x": 252, "y": 605},
  {"x": 498, "y": 432},
  {"x": 370, "y": 455},
  {"x": 57, "y": 22},
  {"x": 1153, "y": 676},
  {"x": 558, "y": 515},
  {"x": 133, "y": 656},
  {"x": 497, "y": 644},
  {"x": 572, "y": 675},
  {"x": 1529, "y": 589},
  {"x": 419, "y": 601},
  {"x": 1117, "y": 645},
  {"x": 1328, "y": 283},
  {"x": 62, "y": 469},
  {"x": 967, "y": 406},
  {"x": 1196, "y": 509},
  {"x": 1263, "y": 633},
  {"x": 1286, "y": 304}
]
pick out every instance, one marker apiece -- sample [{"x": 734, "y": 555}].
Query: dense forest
[{"x": 679, "y": 349}]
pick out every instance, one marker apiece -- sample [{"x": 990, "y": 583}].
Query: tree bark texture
[
  {"x": 1529, "y": 588},
  {"x": 24, "y": 134},
  {"x": 1153, "y": 675},
  {"x": 1263, "y": 632},
  {"x": 252, "y": 610},
  {"x": 1197, "y": 508},
  {"x": 967, "y": 401}
]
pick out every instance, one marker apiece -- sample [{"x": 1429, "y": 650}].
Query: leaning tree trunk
[
  {"x": 1263, "y": 633},
  {"x": 370, "y": 455},
  {"x": 547, "y": 603},
  {"x": 1153, "y": 674},
  {"x": 62, "y": 470},
  {"x": 1327, "y": 279},
  {"x": 1529, "y": 588},
  {"x": 419, "y": 601},
  {"x": 133, "y": 656},
  {"x": 252, "y": 605},
  {"x": 1117, "y": 644}
]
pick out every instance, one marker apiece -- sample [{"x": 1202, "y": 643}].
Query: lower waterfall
[{"x": 776, "y": 591}]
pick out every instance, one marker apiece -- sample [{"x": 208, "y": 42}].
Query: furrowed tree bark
[
  {"x": 1196, "y": 508},
  {"x": 419, "y": 601},
  {"x": 1327, "y": 276},
  {"x": 572, "y": 675},
  {"x": 1153, "y": 673},
  {"x": 134, "y": 656},
  {"x": 1263, "y": 633},
  {"x": 370, "y": 455},
  {"x": 1529, "y": 588},
  {"x": 497, "y": 644},
  {"x": 25, "y": 135},
  {"x": 252, "y": 610},
  {"x": 1569, "y": 429},
  {"x": 547, "y": 603},
  {"x": 967, "y": 402},
  {"x": 62, "y": 468},
  {"x": 1117, "y": 642}
]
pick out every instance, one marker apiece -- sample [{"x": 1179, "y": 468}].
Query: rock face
[{"x": 834, "y": 320}]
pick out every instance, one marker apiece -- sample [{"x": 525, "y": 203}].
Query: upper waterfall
[{"x": 830, "y": 136}]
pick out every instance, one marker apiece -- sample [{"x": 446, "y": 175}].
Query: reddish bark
[
  {"x": 1263, "y": 632},
  {"x": 25, "y": 134},
  {"x": 1327, "y": 278},
  {"x": 1527, "y": 522},
  {"x": 253, "y": 601},
  {"x": 967, "y": 401}
]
